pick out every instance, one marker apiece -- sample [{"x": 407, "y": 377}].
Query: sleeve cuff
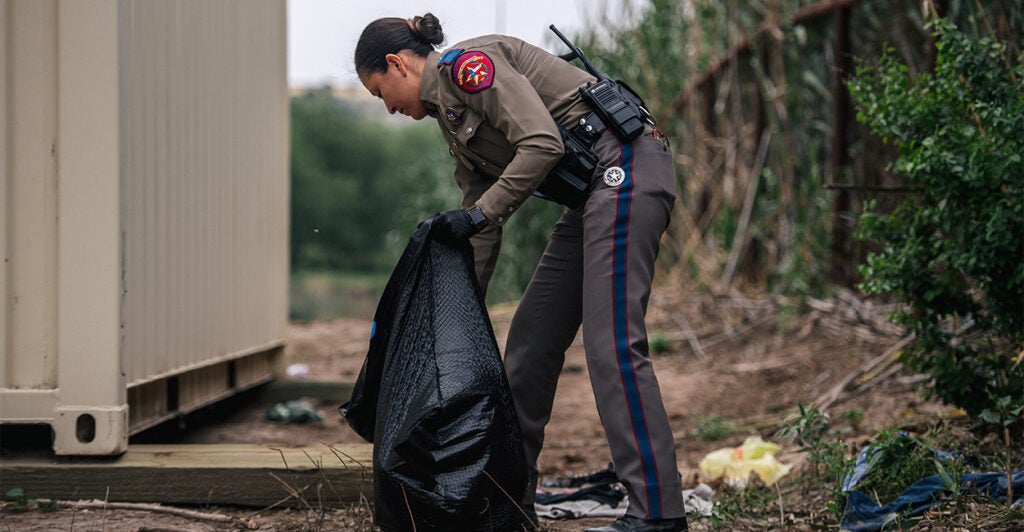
[{"x": 497, "y": 206}]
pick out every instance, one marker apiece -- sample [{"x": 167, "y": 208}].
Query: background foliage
[
  {"x": 752, "y": 95},
  {"x": 358, "y": 182},
  {"x": 360, "y": 185},
  {"x": 747, "y": 90},
  {"x": 954, "y": 252}
]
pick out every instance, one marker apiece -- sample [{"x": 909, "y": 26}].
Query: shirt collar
[{"x": 429, "y": 84}]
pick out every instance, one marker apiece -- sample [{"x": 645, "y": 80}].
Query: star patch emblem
[{"x": 473, "y": 71}]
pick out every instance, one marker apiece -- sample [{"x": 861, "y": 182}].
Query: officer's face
[{"x": 399, "y": 85}]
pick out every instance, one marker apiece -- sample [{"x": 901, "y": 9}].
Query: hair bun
[
  {"x": 427, "y": 29},
  {"x": 391, "y": 35}
]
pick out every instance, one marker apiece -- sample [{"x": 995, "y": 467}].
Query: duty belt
[
  {"x": 588, "y": 129},
  {"x": 569, "y": 182}
]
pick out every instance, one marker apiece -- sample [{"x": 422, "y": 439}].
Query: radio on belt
[{"x": 616, "y": 103}]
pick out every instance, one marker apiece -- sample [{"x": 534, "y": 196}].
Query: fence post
[{"x": 841, "y": 229}]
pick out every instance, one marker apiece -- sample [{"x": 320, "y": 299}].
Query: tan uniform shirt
[{"x": 497, "y": 103}]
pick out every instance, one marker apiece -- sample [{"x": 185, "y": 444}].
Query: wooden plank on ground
[{"x": 321, "y": 476}]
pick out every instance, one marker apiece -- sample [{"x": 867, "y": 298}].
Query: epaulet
[{"x": 449, "y": 57}]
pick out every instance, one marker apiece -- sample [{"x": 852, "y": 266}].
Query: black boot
[{"x": 629, "y": 523}]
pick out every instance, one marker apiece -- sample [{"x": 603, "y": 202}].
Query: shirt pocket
[
  {"x": 479, "y": 143},
  {"x": 465, "y": 124},
  {"x": 491, "y": 146}
]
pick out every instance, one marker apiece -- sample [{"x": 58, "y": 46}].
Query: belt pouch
[{"x": 569, "y": 182}]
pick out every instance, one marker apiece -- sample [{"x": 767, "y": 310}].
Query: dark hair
[{"x": 392, "y": 35}]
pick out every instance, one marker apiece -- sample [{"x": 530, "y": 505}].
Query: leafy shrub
[
  {"x": 953, "y": 252},
  {"x": 808, "y": 428},
  {"x": 18, "y": 501},
  {"x": 360, "y": 186},
  {"x": 896, "y": 460},
  {"x": 659, "y": 343},
  {"x": 714, "y": 428}
]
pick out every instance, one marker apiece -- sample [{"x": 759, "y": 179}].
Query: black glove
[{"x": 455, "y": 226}]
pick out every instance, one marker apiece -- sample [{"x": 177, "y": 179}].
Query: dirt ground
[{"x": 750, "y": 361}]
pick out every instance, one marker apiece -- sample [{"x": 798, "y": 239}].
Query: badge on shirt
[
  {"x": 614, "y": 176},
  {"x": 452, "y": 115},
  {"x": 473, "y": 71}
]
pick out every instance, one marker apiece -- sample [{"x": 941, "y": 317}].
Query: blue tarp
[{"x": 864, "y": 514}]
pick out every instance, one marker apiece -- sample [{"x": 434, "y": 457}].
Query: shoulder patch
[
  {"x": 473, "y": 71},
  {"x": 449, "y": 56}
]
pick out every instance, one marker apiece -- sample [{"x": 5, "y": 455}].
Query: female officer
[{"x": 499, "y": 102}]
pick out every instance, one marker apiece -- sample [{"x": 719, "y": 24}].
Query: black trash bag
[{"x": 433, "y": 398}]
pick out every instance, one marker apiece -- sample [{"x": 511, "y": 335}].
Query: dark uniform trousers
[{"x": 597, "y": 270}]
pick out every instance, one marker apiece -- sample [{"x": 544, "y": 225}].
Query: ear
[{"x": 398, "y": 62}]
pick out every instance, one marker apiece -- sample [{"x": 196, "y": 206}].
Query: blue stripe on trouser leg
[{"x": 620, "y": 317}]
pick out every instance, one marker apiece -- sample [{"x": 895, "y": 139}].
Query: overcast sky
[{"x": 322, "y": 34}]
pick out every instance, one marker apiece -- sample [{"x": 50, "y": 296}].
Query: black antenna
[{"x": 576, "y": 53}]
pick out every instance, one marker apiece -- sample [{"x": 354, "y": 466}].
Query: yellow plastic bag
[{"x": 736, "y": 463}]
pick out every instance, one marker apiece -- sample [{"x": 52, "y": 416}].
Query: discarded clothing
[
  {"x": 698, "y": 500},
  {"x": 433, "y": 399},
  {"x": 863, "y": 514},
  {"x": 609, "y": 500},
  {"x": 602, "y": 493},
  {"x": 604, "y": 476},
  {"x": 580, "y": 509}
]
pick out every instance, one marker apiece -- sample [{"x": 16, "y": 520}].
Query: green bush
[
  {"x": 896, "y": 460},
  {"x": 953, "y": 253},
  {"x": 360, "y": 186},
  {"x": 714, "y": 428},
  {"x": 808, "y": 428}
]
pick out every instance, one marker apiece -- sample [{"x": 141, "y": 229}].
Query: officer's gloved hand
[{"x": 455, "y": 226}]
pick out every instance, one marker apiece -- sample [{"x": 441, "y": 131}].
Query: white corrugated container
[{"x": 145, "y": 210}]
